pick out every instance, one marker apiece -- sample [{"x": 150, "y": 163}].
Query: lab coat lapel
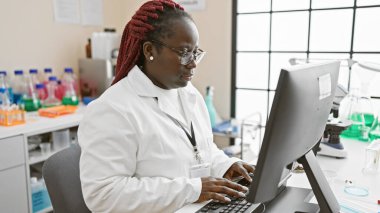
[
  {"x": 145, "y": 87},
  {"x": 188, "y": 99},
  {"x": 170, "y": 111}
]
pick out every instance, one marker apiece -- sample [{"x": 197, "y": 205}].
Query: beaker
[{"x": 372, "y": 156}]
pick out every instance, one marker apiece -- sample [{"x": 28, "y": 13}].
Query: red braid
[{"x": 134, "y": 33}]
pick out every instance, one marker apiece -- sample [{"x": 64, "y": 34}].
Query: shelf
[
  {"x": 36, "y": 124},
  {"x": 37, "y": 156},
  {"x": 48, "y": 209}
]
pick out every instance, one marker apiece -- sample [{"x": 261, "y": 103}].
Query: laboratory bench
[{"x": 18, "y": 164}]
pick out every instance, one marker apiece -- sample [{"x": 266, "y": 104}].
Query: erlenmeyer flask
[
  {"x": 350, "y": 111},
  {"x": 374, "y": 132}
]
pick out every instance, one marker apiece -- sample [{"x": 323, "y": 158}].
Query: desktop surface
[{"x": 337, "y": 171}]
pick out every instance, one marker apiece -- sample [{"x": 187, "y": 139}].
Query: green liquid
[
  {"x": 368, "y": 119},
  {"x": 357, "y": 131},
  {"x": 70, "y": 101},
  {"x": 373, "y": 135},
  {"x": 31, "y": 104}
]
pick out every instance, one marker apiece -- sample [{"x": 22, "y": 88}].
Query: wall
[{"x": 29, "y": 37}]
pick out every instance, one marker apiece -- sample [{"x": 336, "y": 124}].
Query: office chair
[{"x": 61, "y": 174}]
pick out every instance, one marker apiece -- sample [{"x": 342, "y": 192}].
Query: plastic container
[
  {"x": 51, "y": 99},
  {"x": 56, "y": 111},
  {"x": 40, "y": 197},
  {"x": 210, "y": 105},
  {"x": 5, "y": 83},
  {"x": 103, "y": 43},
  {"x": 61, "y": 139},
  {"x": 70, "y": 96}
]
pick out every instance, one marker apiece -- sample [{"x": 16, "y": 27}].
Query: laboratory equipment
[
  {"x": 374, "y": 132},
  {"x": 330, "y": 144},
  {"x": 19, "y": 87},
  {"x": 33, "y": 73},
  {"x": 51, "y": 99},
  {"x": 61, "y": 139},
  {"x": 30, "y": 99},
  {"x": 372, "y": 157},
  {"x": 96, "y": 75},
  {"x": 40, "y": 196},
  {"x": 5, "y": 83},
  {"x": 357, "y": 106},
  {"x": 70, "y": 96},
  {"x": 41, "y": 91}
]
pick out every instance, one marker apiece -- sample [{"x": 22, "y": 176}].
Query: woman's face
[{"x": 166, "y": 70}]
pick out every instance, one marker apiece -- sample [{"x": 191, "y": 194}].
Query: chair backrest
[{"x": 61, "y": 174}]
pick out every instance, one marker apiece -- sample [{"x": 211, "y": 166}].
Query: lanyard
[{"x": 191, "y": 139}]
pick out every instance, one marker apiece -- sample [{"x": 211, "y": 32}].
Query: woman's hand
[
  {"x": 218, "y": 188},
  {"x": 238, "y": 169}
]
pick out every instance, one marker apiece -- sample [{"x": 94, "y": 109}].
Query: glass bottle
[
  {"x": 68, "y": 81},
  {"x": 30, "y": 100},
  {"x": 18, "y": 86},
  {"x": 41, "y": 91},
  {"x": 210, "y": 105},
  {"x": 7, "y": 85},
  {"x": 33, "y": 73},
  {"x": 51, "y": 99}
]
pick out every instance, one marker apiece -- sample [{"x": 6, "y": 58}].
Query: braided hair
[{"x": 150, "y": 22}]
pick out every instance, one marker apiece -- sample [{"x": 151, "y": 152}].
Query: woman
[{"x": 147, "y": 142}]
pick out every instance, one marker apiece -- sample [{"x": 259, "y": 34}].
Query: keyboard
[{"x": 236, "y": 205}]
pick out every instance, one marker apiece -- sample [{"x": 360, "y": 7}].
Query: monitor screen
[{"x": 298, "y": 117}]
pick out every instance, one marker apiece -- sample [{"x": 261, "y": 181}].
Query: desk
[{"x": 336, "y": 172}]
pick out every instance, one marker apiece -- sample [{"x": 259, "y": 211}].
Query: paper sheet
[
  {"x": 66, "y": 11},
  {"x": 92, "y": 12}
]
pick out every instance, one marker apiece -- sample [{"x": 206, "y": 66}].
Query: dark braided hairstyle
[{"x": 151, "y": 22}]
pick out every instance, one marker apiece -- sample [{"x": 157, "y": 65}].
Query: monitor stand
[{"x": 293, "y": 199}]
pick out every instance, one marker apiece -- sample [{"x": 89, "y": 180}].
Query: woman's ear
[{"x": 148, "y": 50}]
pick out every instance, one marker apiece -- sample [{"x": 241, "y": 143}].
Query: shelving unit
[{"x": 16, "y": 161}]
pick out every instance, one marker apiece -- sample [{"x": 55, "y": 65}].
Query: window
[{"x": 270, "y": 32}]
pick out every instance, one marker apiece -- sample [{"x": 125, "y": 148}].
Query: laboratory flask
[
  {"x": 51, "y": 99},
  {"x": 30, "y": 100},
  {"x": 70, "y": 96},
  {"x": 351, "y": 111},
  {"x": 374, "y": 132}
]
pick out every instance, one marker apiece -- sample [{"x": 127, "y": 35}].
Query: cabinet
[{"x": 17, "y": 163}]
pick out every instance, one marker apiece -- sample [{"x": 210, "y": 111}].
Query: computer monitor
[{"x": 298, "y": 116}]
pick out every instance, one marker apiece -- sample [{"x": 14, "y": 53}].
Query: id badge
[{"x": 200, "y": 170}]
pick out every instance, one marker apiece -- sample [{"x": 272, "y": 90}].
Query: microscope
[{"x": 330, "y": 144}]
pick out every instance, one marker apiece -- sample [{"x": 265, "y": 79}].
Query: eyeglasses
[{"x": 186, "y": 57}]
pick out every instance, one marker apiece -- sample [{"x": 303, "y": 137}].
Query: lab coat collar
[{"x": 144, "y": 87}]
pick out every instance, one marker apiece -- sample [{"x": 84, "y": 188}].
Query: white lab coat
[{"x": 134, "y": 157}]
